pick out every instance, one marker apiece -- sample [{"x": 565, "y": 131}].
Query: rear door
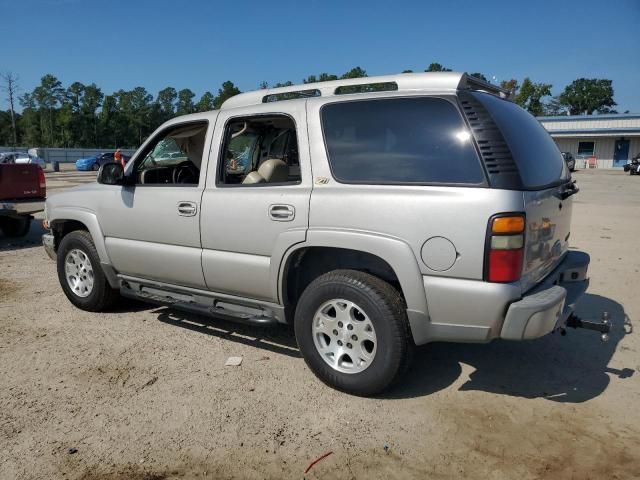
[
  {"x": 247, "y": 227},
  {"x": 545, "y": 182}
]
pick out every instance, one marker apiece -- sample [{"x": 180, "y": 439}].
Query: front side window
[
  {"x": 260, "y": 150},
  {"x": 174, "y": 157},
  {"x": 402, "y": 140}
]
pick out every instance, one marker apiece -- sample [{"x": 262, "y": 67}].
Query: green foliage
[
  {"x": 206, "y": 102},
  {"x": 355, "y": 72},
  {"x": 436, "y": 67},
  {"x": 185, "y": 102},
  {"x": 529, "y": 96},
  {"x": 588, "y": 95},
  {"x": 227, "y": 91},
  {"x": 323, "y": 77},
  {"x": 479, "y": 76}
]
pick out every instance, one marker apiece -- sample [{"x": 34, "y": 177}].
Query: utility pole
[{"x": 11, "y": 87}]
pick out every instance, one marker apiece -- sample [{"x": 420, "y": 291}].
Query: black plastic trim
[{"x": 493, "y": 149}]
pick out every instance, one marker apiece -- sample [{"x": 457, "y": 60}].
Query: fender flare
[
  {"x": 89, "y": 219},
  {"x": 396, "y": 253}
]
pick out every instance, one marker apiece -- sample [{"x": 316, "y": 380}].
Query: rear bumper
[
  {"x": 19, "y": 207},
  {"x": 547, "y": 306}
]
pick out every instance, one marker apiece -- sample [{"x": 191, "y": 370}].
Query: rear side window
[
  {"x": 533, "y": 150},
  {"x": 401, "y": 140}
]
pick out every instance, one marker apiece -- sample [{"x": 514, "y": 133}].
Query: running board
[{"x": 203, "y": 303}]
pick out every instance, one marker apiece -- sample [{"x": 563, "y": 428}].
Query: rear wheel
[
  {"x": 80, "y": 274},
  {"x": 95, "y": 167},
  {"x": 352, "y": 331},
  {"x": 15, "y": 226}
]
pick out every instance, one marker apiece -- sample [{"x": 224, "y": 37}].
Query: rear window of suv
[
  {"x": 536, "y": 155},
  {"x": 400, "y": 141}
]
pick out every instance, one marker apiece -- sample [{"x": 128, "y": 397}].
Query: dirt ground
[{"x": 143, "y": 393}]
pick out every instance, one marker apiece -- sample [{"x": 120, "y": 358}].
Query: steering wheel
[{"x": 185, "y": 172}]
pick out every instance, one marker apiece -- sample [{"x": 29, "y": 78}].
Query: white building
[{"x": 612, "y": 139}]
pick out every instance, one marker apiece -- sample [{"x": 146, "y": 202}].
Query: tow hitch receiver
[{"x": 603, "y": 326}]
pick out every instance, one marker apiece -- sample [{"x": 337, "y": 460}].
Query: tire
[
  {"x": 100, "y": 296},
  {"x": 366, "y": 302},
  {"x": 15, "y": 226},
  {"x": 95, "y": 167}
]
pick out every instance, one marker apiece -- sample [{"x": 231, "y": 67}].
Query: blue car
[{"x": 95, "y": 162}]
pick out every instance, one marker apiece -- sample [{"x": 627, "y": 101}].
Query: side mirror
[{"x": 111, "y": 174}]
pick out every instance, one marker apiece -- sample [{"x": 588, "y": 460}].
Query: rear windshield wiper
[{"x": 566, "y": 190}]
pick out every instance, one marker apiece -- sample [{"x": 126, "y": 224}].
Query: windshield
[{"x": 536, "y": 155}]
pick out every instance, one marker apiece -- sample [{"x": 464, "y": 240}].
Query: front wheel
[
  {"x": 352, "y": 331},
  {"x": 95, "y": 167},
  {"x": 80, "y": 274}
]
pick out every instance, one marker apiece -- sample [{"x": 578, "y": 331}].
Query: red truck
[{"x": 22, "y": 193}]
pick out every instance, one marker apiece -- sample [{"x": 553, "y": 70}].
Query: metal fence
[{"x": 63, "y": 155}]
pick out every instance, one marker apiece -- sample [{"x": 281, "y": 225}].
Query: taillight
[
  {"x": 43, "y": 182},
  {"x": 505, "y": 248}
]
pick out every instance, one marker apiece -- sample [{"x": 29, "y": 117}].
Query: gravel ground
[{"x": 143, "y": 393}]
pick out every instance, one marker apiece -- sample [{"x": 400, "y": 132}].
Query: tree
[
  {"x": 227, "y": 91},
  {"x": 91, "y": 101},
  {"x": 355, "y": 72},
  {"x": 206, "y": 102},
  {"x": 554, "y": 107},
  {"x": 166, "y": 100},
  {"x": 323, "y": 77},
  {"x": 529, "y": 96},
  {"x": 436, "y": 67},
  {"x": 479, "y": 76},
  {"x": 185, "y": 102},
  {"x": 510, "y": 86},
  {"x": 30, "y": 123},
  {"x": 588, "y": 95},
  {"x": 48, "y": 95},
  {"x": 407, "y": 71},
  {"x": 11, "y": 87}
]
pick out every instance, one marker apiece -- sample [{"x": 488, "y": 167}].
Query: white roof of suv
[{"x": 429, "y": 81}]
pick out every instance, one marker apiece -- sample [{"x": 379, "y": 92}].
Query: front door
[
  {"x": 256, "y": 202},
  {"x": 621, "y": 153},
  {"x": 152, "y": 226}
]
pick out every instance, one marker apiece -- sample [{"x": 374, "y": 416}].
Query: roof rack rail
[{"x": 429, "y": 81}]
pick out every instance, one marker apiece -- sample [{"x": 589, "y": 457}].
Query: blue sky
[{"x": 199, "y": 44}]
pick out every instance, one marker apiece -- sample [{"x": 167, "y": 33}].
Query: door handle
[
  {"x": 282, "y": 213},
  {"x": 187, "y": 209}
]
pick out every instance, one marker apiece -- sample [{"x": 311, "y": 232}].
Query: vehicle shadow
[
  {"x": 572, "y": 368},
  {"x": 32, "y": 239},
  {"x": 274, "y": 338}
]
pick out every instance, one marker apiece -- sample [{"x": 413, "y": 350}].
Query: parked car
[
  {"x": 633, "y": 167},
  {"x": 96, "y": 161},
  {"x": 21, "y": 158},
  {"x": 22, "y": 193},
  {"x": 570, "y": 161},
  {"x": 432, "y": 209}
]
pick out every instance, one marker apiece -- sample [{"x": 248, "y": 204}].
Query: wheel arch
[
  {"x": 66, "y": 220},
  {"x": 385, "y": 257}
]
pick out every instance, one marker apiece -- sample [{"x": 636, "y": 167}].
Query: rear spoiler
[{"x": 469, "y": 82}]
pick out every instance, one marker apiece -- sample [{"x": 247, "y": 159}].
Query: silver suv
[{"x": 373, "y": 214}]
